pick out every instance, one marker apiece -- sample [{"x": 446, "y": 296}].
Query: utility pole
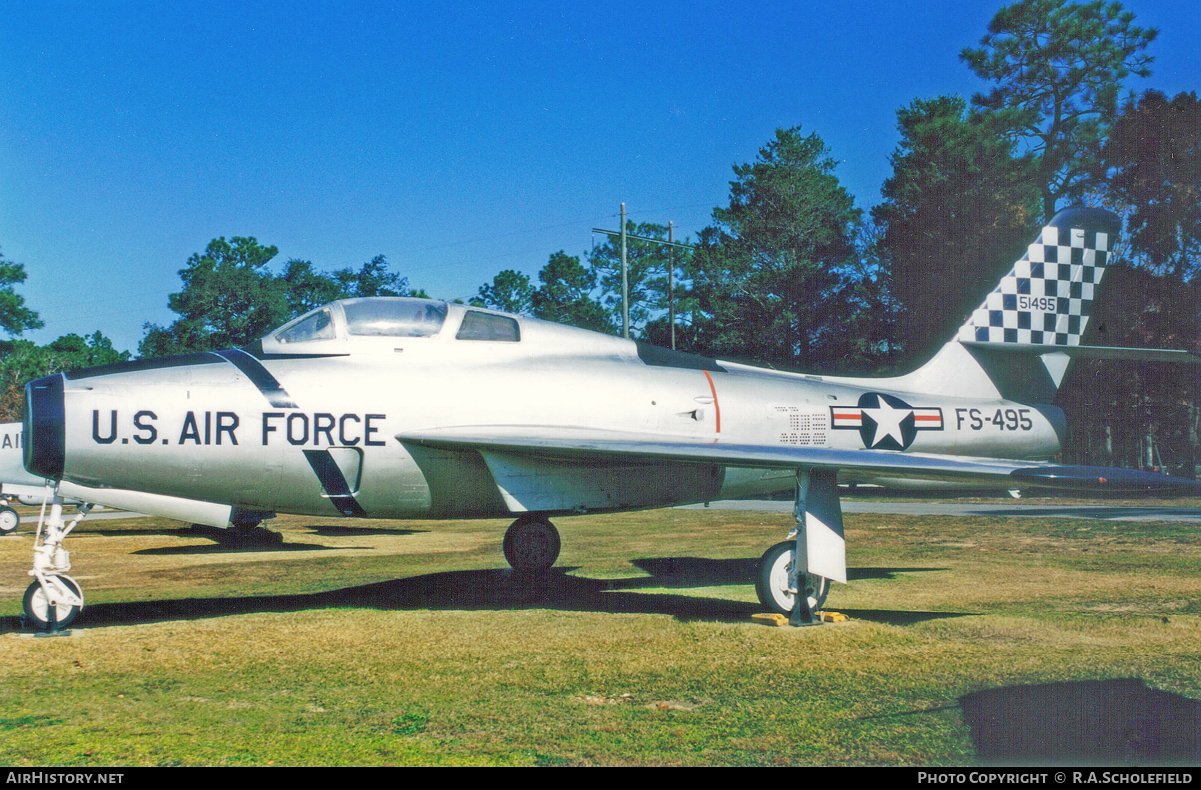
[
  {"x": 625, "y": 280},
  {"x": 625, "y": 284},
  {"x": 671, "y": 283}
]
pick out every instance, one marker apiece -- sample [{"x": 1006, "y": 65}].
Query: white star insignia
[{"x": 888, "y": 422}]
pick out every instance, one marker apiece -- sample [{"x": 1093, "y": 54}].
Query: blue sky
[{"x": 457, "y": 139}]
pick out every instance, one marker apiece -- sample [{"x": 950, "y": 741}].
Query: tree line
[{"x": 792, "y": 274}]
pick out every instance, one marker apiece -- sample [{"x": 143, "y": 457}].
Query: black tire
[
  {"x": 37, "y": 608},
  {"x": 532, "y": 545},
  {"x": 9, "y": 520},
  {"x": 771, "y": 581}
]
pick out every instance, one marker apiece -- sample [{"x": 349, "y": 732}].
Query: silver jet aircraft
[{"x": 413, "y": 408}]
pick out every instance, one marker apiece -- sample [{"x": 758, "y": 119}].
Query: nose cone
[{"x": 43, "y": 433}]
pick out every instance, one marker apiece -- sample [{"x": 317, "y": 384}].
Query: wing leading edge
[{"x": 605, "y": 447}]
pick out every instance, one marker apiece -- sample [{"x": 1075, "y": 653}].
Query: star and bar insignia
[{"x": 885, "y": 422}]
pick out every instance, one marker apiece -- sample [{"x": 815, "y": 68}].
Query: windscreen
[{"x": 318, "y": 326}]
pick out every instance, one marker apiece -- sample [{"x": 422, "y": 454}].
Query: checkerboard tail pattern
[{"x": 1047, "y": 297}]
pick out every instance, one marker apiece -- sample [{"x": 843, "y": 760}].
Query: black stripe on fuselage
[
  {"x": 334, "y": 482},
  {"x": 259, "y": 376},
  {"x": 177, "y": 361}
]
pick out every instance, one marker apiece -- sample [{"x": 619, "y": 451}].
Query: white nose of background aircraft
[{"x": 413, "y": 408}]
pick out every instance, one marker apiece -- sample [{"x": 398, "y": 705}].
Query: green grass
[{"x": 408, "y": 643}]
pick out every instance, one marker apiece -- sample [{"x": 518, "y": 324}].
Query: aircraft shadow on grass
[
  {"x": 218, "y": 548},
  {"x": 1092, "y": 722},
  {"x": 1115, "y": 722},
  {"x": 504, "y": 589},
  {"x": 254, "y": 540},
  {"x": 333, "y": 531}
]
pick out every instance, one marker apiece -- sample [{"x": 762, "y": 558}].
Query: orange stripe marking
[{"x": 716, "y": 407}]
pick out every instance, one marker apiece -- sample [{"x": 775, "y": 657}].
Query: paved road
[{"x": 1041, "y": 510}]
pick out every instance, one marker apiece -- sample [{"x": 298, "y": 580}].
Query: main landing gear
[
  {"x": 776, "y": 590},
  {"x": 794, "y": 576},
  {"x": 54, "y": 599},
  {"x": 532, "y": 544}
]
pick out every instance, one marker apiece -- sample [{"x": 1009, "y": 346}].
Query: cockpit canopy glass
[
  {"x": 398, "y": 317},
  {"x": 318, "y": 326},
  {"x": 383, "y": 317}
]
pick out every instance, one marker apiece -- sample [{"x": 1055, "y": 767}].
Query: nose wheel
[
  {"x": 532, "y": 544},
  {"x": 54, "y": 603}
]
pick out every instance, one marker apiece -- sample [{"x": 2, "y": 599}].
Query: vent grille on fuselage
[{"x": 802, "y": 428}]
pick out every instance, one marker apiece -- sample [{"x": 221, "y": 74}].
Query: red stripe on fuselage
[{"x": 716, "y": 407}]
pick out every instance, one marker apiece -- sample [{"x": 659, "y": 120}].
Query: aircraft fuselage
[{"x": 314, "y": 431}]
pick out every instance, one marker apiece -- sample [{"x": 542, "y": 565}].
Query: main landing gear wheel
[
  {"x": 771, "y": 582},
  {"x": 9, "y": 520},
  {"x": 532, "y": 544},
  {"x": 45, "y": 616}
]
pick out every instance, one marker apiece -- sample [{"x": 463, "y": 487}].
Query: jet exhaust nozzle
[{"x": 43, "y": 432}]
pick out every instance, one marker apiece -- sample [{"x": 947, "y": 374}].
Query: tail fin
[
  {"x": 1045, "y": 300},
  {"x": 1018, "y": 343}
]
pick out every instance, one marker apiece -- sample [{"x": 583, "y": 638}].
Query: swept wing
[{"x": 605, "y": 447}]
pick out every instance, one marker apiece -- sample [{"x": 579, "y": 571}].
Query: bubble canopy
[
  {"x": 377, "y": 317},
  {"x": 393, "y": 317}
]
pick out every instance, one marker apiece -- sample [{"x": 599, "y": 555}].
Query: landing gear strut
[
  {"x": 794, "y": 576},
  {"x": 532, "y": 544},
  {"x": 54, "y": 600}
]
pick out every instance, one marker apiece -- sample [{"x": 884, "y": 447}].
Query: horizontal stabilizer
[
  {"x": 1014, "y": 346},
  {"x": 1097, "y": 352}
]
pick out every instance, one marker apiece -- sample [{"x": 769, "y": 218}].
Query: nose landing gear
[{"x": 53, "y": 600}]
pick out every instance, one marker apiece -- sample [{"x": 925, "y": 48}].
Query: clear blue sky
[{"x": 457, "y": 139}]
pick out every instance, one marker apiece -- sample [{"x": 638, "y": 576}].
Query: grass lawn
[{"x": 400, "y": 643}]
